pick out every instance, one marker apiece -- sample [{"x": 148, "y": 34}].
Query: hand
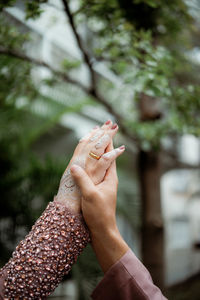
[
  {"x": 99, "y": 210},
  {"x": 97, "y": 142},
  {"x": 98, "y": 201}
]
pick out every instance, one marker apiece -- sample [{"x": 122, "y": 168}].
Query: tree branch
[
  {"x": 93, "y": 93},
  {"x": 118, "y": 117},
  {"x": 86, "y": 57},
  {"x": 22, "y": 56}
]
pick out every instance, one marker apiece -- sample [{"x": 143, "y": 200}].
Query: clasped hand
[{"x": 90, "y": 185}]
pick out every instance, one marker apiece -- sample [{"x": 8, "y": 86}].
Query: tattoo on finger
[
  {"x": 105, "y": 139},
  {"x": 96, "y": 136}
]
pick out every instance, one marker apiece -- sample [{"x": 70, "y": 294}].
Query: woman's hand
[
  {"x": 97, "y": 144},
  {"x": 98, "y": 201},
  {"x": 99, "y": 210}
]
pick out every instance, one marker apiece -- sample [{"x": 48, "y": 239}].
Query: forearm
[
  {"x": 46, "y": 254},
  {"x": 108, "y": 246},
  {"x": 125, "y": 276}
]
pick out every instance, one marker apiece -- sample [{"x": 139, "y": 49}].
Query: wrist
[
  {"x": 109, "y": 247},
  {"x": 100, "y": 226},
  {"x": 73, "y": 205},
  {"x": 108, "y": 232}
]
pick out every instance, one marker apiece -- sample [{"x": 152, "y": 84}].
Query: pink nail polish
[
  {"x": 114, "y": 126},
  {"x": 122, "y": 147},
  {"x": 107, "y": 122}
]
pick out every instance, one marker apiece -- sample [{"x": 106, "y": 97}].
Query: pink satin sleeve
[{"x": 127, "y": 279}]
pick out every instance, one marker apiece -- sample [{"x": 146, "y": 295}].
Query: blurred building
[{"x": 181, "y": 211}]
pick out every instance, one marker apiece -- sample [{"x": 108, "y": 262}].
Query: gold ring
[{"x": 93, "y": 155}]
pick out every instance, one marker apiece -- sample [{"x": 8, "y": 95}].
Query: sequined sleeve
[{"x": 45, "y": 255}]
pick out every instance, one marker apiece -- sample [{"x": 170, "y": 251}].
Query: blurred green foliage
[
  {"x": 23, "y": 176},
  {"x": 145, "y": 43},
  {"x": 27, "y": 183}
]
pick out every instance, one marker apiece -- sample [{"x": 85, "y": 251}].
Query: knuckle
[
  {"x": 84, "y": 140},
  {"x": 81, "y": 141},
  {"x": 105, "y": 158}
]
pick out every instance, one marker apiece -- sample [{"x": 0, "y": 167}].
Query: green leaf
[{"x": 71, "y": 64}]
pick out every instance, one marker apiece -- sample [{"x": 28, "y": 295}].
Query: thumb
[{"x": 82, "y": 180}]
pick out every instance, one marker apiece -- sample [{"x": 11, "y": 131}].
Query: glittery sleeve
[{"x": 45, "y": 255}]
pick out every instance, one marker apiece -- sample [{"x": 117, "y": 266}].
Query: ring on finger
[{"x": 95, "y": 156}]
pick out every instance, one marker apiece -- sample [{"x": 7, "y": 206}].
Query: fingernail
[
  {"x": 114, "y": 126},
  {"x": 107, "y": 122},
  {"x": 122, "y": 147},
  {"x": 95, "y": 127}
]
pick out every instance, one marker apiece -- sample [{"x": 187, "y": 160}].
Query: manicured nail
[
  {"x": 107, "y": 122},
  {"x": 95, "y": 127},
  {"x": 114, "y": 126},
  {"x": 122, "y": 147}
]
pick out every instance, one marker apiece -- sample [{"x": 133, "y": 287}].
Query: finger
[
  {"x": 109, "y": 147},
  {"x": 113, "y": 154},
  {"x": 84, "y": 140},
  {"x": 96, "y": 135},
  {"x": 82, "y": 180},
  {"x": 107, "y": 158},
  {"x": 89, "y": 134},
  {"x": 111, "y": 175},
  {"x": 108, "y": 124},
  {"x": 101, "y": 145},
  {"x": 88, "y": 141}
]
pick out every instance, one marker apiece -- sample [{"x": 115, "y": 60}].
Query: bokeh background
[{"x": 66, "y": 66}]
